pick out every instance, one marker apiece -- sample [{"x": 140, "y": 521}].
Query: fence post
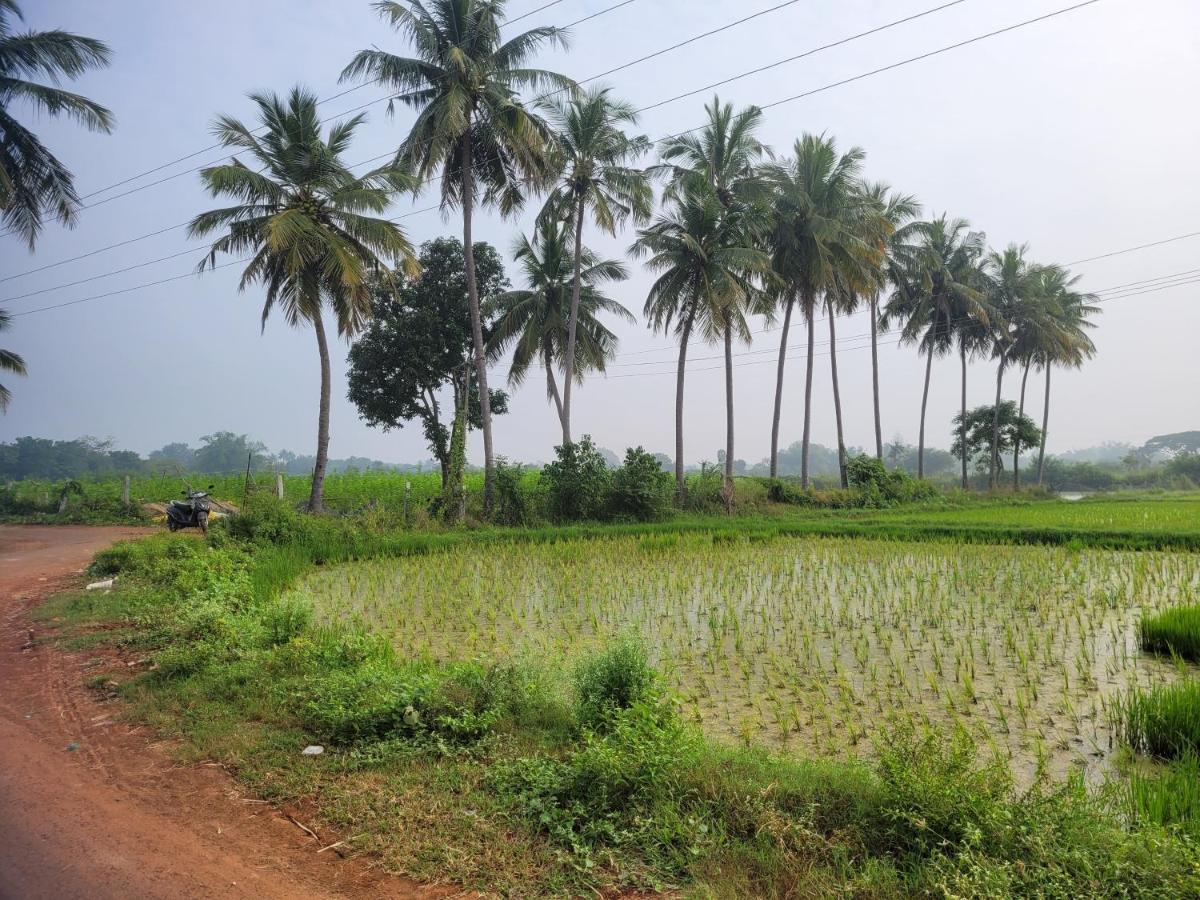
[
  {"x": 279, "y": 485},
  {"x": 125, "y": 493},
  {"x": 407, "y": 493}
]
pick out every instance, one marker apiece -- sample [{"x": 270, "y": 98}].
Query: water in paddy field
[{"x": 816, "y": 646}]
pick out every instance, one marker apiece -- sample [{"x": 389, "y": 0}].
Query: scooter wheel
[{"x": 171, "y": 526}]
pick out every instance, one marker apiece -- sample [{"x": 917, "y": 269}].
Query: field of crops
[
  {"x": 808, "y": 643},
  {"x": 1165, "y": 512}
]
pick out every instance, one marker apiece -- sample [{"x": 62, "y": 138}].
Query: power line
[
  {"x": 589, "y": 79},
  {"x": 835, "y": 84},
  {"x": 1170, "y": 240},
  {"x": 324, "y": 121},
  {"x": 806, "y": 53}
]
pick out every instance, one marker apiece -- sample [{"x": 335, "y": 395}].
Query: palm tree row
[{"x": 739, "y": 233}]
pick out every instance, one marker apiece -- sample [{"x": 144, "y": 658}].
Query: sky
[{"x": 1075, "y": 134}]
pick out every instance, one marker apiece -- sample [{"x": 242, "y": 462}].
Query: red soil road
[{"x": 116, "y": 817}]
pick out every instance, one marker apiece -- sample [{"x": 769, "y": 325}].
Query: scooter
[{"x": 190, "y": 513}]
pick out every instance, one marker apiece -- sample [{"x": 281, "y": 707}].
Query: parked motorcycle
[{"x": 190, "y": 513}]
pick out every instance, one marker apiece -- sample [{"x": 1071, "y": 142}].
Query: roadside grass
[{"x": 520, "y": 780}]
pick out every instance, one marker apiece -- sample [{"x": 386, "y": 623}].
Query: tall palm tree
[
  {"x": 9, "y": 362},
  {"x": 595, "y": 154},
  {"x": 303, "y": 219},
  {"x": 973, "y": 334},
  {"x": 897, "y": 228},
  {"x": 1071, "y": 311},
  {"x": 471, "y": 127},
  {"x": 535, "y": 321},
  {"x": 723, "y": 154},
  {"x": 935, "y": 290},
  {"x": 1015, "y": 314},
  {"x": 814, "y": 236},
  {"x": 706, "y": 264},
  {"x": 34, "y": 183}
]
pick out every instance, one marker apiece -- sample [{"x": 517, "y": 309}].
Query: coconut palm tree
[
  {"x": 596, "y": 178},
  {"x": 9, "y": 362},
  {"x": 723, "y": 154},
  {"x": 935, "y": 289},
  {"x": 34, "y": 183},
  {"x": 1071, "y": 311},
  {"x": 304, "y": 220},
  {"x": 535, "y": 321},
  {"x": 898, "y": 214},
  {"x": 1015, "y": 315},
  {"x": 472, "y": 128},
  {"x": 973, "y": 334},
  {"x": 706, "y": 264},
  {"x": 815, "y": 214}
]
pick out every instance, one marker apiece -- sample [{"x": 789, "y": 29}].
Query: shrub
[
  {"x": 1163, "y": 721},
  {"x": 577, "y": 482},
  {"x": 512, "y": 502},
  {"x": 366, "y": 702},
  {"x": 613, "y": 680},
  {"x": 1175, "y": 632},
  {"x": 641, "y": 490}
]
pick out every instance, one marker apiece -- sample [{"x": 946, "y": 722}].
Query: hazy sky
[{"x": 1077, "y": 134}]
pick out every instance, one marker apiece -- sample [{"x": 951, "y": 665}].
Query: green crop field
[
  {"x": 807, "y": 643},
  {"x": 1166, "y": 512}
]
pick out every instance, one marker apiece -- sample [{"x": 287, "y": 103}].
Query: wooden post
[
  {"x": 279, "y": 485},
  {"x": 125, "y": 493},
  {"x": 407, "y": 492}
]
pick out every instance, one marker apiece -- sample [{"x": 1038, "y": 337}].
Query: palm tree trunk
[
  {"x": 921, "y": 430},
  {"x": 1017, "y": 436},
  {"x": 485, "y": 397},
  {"x": 787, "y": 324},
  {"x": 316, "y": 499},
  {"x": 572, "y": 327},
  {"x": 684, "y": 334},
  {"x": 994, "y": 474},
  {"x": 837, "y": 399},
  {"x": 808, "y": 379},
  {"x": 551, "y": 384},
  {"x": 727, "y": 487},
  {"x": 962, "y": 429},
  {"x": 1045, "y": 425},
  {"x": 875, "y": 374}
]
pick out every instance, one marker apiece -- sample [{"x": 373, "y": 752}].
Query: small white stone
[{"x": 313, "y": 750}]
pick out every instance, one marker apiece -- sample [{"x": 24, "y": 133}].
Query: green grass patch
[
  {"x": 1175, "y": 632},
  {"x": 1162, "y": 722}
]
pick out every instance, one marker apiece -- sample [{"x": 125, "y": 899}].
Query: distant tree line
[{"x": 220, "y": 453}]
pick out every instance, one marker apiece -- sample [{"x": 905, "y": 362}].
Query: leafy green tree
[
  {"x": 577, "y": 482},
  {"x": 302, "y": 216},
  {"x": 534, "y": 321},
  {"x": 817, "y": 205},
  {"x": 1016, "y": 433},
  {"x": 9, "y": 362},
  {"x": 471, "y": 127},
  {"x": 597, "y": 179},
  {"x": 34, "y": 183},
  {"x": 641, "y": 490},
  {"x": 176, "y": 454},
  {"x": 937, "y": 288},
  {"x": 419, "y": 342},
  {"x": 225, "y": 452}
]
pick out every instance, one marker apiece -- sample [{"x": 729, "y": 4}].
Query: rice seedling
[
  {"x": 1163, "y": 721},
  {"x": 808, "y": 644}
]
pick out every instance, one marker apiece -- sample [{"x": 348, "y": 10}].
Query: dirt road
[{"x": 91, "y": 808}]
